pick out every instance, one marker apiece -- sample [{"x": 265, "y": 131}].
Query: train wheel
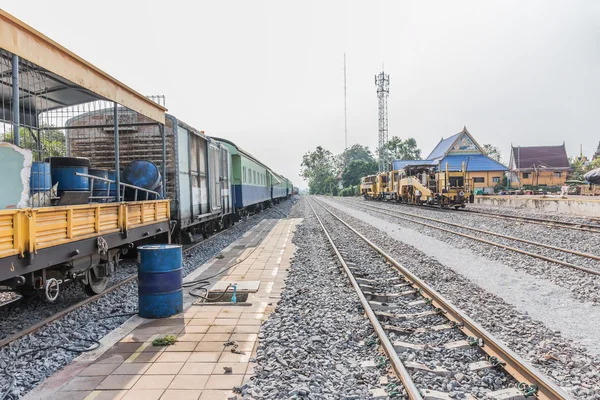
[{"x": 94, "y": 285}]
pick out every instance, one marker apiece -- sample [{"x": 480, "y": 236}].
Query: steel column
[
  {"x": 164, "y": 160},
  {"x": 117, "y": 162},
  {"x": 15, "y": 102}
]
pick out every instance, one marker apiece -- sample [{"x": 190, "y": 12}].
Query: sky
[{"x": 269, "y": 75}]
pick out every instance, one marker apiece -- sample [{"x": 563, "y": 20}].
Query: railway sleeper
[
  {"x": 388, "y": 297},
  {"x": 429, "y": 394}
]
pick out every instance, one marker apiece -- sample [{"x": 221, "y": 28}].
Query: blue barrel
[
  {"x": 63, "y": 171},
  {"x": 100, "y": 187},
  {"x": 40, "y": 179},
  {"x": 141, "y": 173},
  {"x": 160, "y": 280}
]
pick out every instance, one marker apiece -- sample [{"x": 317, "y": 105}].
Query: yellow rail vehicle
[
  {"x": 422, "y": 184},
  {"x": 368, "y": 186}
]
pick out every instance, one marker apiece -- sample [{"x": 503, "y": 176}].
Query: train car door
[
  {"x": 183, "y": 170},
  {"x": 214, "y": 177},
  {"x": 225, "y": 180}
]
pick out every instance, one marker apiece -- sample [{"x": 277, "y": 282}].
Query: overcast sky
[{"x": 269, "y": 75}]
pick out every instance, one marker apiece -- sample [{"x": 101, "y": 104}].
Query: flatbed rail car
[
  {"x": 48, "y": 236},
  {"x": 79, "y": 241}
]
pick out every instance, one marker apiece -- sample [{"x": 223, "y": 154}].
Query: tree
[
  {"x": 357, "y": 169},
  {"x": 399, "y": 149},
  {"x": 51, "y": 142},
  {"x": 317, "y": 169},
  {"x": 492, "y": 152}
]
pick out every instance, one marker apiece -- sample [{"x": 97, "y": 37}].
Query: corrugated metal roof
[
  {"x": 442, "y": 147},
  {"x": 474, "y": 162},
  {"x": 400, "y": 164},
  {"x": 538, "y": 156}
]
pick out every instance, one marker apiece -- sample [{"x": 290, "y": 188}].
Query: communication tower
[{"x": 382, "y": 81}]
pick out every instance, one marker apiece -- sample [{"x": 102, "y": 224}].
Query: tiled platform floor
[{"x": 193, "y": 368}]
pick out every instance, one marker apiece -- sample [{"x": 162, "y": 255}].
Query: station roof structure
[{"x": 74, "y": 80}]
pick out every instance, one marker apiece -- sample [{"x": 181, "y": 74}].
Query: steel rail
[
  {"x": 513, "y": 364},
  {"x": 503, "y": 246},
  {"x": 540, "y": 221},
  {"x": 388, "y": 347},
  {"x": 531, "y": 220},
  {"x": 577, "y": 253},
  {"x": 64, "y": 312}
]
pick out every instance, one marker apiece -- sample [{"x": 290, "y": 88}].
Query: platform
[
  {"x": 583, "y": 206},
  {"x": 128, "y": 366}
]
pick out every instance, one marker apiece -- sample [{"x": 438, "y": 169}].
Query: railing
[{"x": 122, "y": 188}]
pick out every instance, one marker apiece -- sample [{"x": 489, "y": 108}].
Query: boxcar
[{"x": 197, "y": 167}]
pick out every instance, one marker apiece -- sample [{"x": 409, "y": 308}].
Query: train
[
  {"x": 420, "y": 184},
  {"x": 207, "y": 184}
]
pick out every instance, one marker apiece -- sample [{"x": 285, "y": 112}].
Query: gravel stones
[
  {"x": 312, "y": 345},
  {"x": 569, "y": 364},
  {"x": 80, "y": 329}
]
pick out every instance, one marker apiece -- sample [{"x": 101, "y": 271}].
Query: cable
[{"x": 201, "y": 284}]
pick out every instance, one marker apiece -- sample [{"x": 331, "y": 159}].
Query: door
[
  {"x": 183, "y": 167},
  {"x": 214, "y": 176}
]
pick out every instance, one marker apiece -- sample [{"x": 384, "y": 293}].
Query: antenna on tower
[
  {"x": 345, "y": 110},
  {"x": 383, "y": 90}
]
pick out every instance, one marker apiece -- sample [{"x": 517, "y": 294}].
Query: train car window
[
  {"x": 254, "y": 175},
  {"x": 244, "y": 169}
]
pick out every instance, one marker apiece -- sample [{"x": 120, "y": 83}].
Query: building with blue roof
[{"x": 461, "y": 150}]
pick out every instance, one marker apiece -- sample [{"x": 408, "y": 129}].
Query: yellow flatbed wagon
[{"x": 73, "y": 238}]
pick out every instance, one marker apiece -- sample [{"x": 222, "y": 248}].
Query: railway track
[
  {"x": 418, "y": 219},
  {"x": 390, "y": 308},
  {"x": 594, "y": 228}
]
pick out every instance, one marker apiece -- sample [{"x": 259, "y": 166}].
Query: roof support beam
[{"x": 31, "y": 45}]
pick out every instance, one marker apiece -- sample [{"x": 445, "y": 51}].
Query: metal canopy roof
[
  {"x": 69, "y": 80},
  {"x": 56, "y": 91}
]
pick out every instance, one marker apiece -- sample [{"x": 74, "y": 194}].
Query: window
[
  {"x": 478, "y": 180},
  {"x": 254, "y": 177},
  {"x": 244, "y": 169},
  {"x": 526, "y": 175},
  {"x": 557, "y": 174},
  {"x": 496, "y": 179}
]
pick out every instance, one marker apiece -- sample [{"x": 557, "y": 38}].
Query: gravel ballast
[
  {"x": 583, "y": 286},
  {"x": 566, "y": 361},
  {"x": 460, "y": 380},
  {"x": 312, "y": 345},
  {"x": 80, "y": 328}
]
